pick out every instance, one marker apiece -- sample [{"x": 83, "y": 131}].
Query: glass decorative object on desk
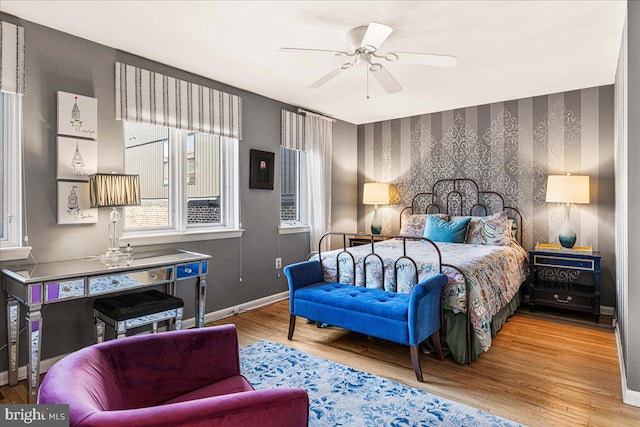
[{"x": 129, "y": 254}]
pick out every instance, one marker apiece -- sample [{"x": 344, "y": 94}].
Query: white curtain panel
[
  {"x": 12, "y": 68},
  {"x": 318, "y": 140}
]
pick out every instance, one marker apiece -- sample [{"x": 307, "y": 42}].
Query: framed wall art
[
  {"x": 77, "y": 158},
  {"x": 77, "y": 115},
  {"x": 74, "y": 206},
  {"x": 262, "y": 169}
]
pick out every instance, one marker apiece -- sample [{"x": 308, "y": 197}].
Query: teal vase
[
  {"x": 567, "y": 234},
  {"x": 376, "y": 223}
]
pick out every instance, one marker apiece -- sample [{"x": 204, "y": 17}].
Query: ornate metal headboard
[{"x": 462, "y": 197}]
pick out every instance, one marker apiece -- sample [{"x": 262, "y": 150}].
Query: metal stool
[{"x": 125, "y": 312}]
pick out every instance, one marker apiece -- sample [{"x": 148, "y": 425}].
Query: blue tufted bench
[{"x": 403, "y": 318}]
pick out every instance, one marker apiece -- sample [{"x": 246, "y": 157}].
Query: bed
[{"x": 485, "y": 273}]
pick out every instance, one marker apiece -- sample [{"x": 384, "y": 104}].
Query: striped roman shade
[
  {"x": 147, "y": 97},
  {"x": 12, "y": 71},
  {"x": 292, "y": 130}
]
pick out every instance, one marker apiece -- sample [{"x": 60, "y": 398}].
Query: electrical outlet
[{"x": 278, "y": 263}]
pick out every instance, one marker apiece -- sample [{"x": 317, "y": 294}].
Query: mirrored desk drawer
[
  {"x": 188, "y": 270},
  {"x": 61, "y": 290},
  {"x": 134, "y": 279}
]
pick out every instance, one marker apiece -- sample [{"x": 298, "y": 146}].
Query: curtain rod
[{"x": 300, "y": 110}]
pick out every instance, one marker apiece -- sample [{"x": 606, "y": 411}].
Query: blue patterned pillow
[{"x": 439, "y": 230}]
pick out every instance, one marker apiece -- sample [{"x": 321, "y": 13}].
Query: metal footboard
[{"x": 373, "y": 253}]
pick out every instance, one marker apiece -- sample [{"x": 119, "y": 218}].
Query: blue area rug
[{"x": 343, "y": 396}]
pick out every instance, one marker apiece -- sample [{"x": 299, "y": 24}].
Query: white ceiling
[{"x": 505, "y": 49}]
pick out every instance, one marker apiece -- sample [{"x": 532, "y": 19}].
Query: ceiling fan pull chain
[{"x": 367, "y": 82}]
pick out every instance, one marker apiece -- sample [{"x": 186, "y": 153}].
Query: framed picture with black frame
[{"x": 262, "y": 168}]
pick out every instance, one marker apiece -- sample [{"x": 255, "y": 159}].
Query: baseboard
[
  {"x": 630, "y": 397},
  {"x": 22, "y": 370},
  {"x": 237, "y": 309},
  {"x": 186, "y": 324},
  {"x": 606, "y": 310}
]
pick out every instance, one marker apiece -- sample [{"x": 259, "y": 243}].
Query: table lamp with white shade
[
  {"x": 567, "y": 189},
  {"x": 375, "y": 193}
]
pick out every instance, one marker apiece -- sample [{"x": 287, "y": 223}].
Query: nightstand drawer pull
[{"x": 563, "y": 301}]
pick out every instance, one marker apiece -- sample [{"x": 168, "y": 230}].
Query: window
[
  {"x": 293, "y": 188},
  {"x": 11, "y": 177},
  {"x": 180, "y": 192},
  {"x": 191, "y": 159}
]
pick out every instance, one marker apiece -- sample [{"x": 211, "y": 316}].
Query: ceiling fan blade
[
  {"x": 376, "y": 35},
  {"x": 302, "y": 50},
  {"x": 430, "y": 59},
  {"x": 324, "y": 79},
  {"x": 386, "y": 80}
]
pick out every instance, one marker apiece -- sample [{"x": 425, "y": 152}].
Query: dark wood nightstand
[
  {"x": 556, "y": 280},
  {"x": 364, "y": 240}
]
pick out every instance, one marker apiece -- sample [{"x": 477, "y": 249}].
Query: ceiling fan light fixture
[
  {"x": 375, "y": 67},
  {"x": 369, "y": 49},
  {"x": 391, "y": 57}
]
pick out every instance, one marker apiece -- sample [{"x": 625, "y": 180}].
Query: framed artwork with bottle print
[
  {"x": 77, "y": 116},
  {"x": 77, "y": 158},
  {"x": 74, "y": 206}
]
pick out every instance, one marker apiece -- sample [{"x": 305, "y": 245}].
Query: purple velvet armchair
[{"x": 180, "y": 378}]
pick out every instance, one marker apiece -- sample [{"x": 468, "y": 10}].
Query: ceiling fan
[{"x": 364, "y": 43}]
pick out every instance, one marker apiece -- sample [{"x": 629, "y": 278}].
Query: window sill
[
  {"x": 14, "y": 253},
  {"x": 293, "y": 229},
  {"x": 175, "y": 237}
]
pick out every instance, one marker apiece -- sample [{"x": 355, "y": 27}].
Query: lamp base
[
  {"x": 567, "y": 234},
  {"x": 376, "y": 224}
]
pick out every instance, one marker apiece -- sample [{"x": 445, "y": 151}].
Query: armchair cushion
[{"x": 236, "y": 384}]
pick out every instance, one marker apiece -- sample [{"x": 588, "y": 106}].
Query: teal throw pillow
[{"x": 439, "y": 230}]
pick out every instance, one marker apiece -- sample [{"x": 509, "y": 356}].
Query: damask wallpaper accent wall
[{"x": 509, "y": 147}]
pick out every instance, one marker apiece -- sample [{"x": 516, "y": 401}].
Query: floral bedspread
[{"x": 494, "y": 274}]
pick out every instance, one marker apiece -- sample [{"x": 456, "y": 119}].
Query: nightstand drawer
[
  {"x": 570, "y": 300},
  {"x": 364, "y": 240},
  {"x": 564, "y": 262}
]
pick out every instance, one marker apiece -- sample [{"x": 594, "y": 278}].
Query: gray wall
[
  {"x": 632, "y": 326},
  {"x": 344, "y": 191},
  {"x": 57, "y": 61},
  {"x": 509, "y": 147}
]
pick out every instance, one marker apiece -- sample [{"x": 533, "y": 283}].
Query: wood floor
[{"x": 538, "y": 372}]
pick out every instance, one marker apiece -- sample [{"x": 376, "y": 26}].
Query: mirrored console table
[{"x": 37, "y": 285}]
